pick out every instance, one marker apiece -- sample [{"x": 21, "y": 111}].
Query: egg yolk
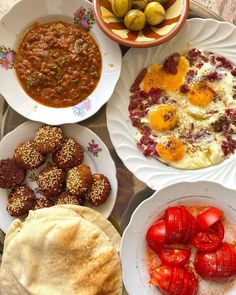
[
  {"x": 156, "y": 77},
  {"x": 164, "y": 118},
  {"x": 201, "y": 94},
  {"x": 171, "y": 149}
]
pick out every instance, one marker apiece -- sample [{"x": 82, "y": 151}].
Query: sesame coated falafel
[
  {"x": 79, "y": 180},
  {"x": 67, "y": 198},
  {"x": 70, "y": 154},
  {"x": 42, "y": 202},
  {"x": 99, "y": 191},
  {"x": 27, "y": 156},
  {"x": 11, "y": 174},
  {"x": 51, "y": 180},
  {"x": 20, "y": 201},
  {"x": 48, "y": 139}
]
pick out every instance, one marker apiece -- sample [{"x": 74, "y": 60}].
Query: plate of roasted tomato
[{"x": 181, "y": 241}]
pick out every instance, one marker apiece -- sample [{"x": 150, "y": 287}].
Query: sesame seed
[
  {"x": 50, "y": 179},
  {"x": 74, "y": 180},
  {"x": 27, "y": 154}
]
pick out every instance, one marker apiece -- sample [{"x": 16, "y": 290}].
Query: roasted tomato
[
  {"x": 207, "y": 218},
  {"x": 156, "y": 235},
  {"x": 161, "y": 277},
  {"x": 177, "y": 257},
  {"x": 218, "y": 229},
  {"x": 206, "y": 241},
  {"x": 218, "y": 265},
  {"x": 172, "y": 280},
  {"x": 180, "y": 225}
]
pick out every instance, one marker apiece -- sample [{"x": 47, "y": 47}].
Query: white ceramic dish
[
  {"x": 96, "y": 156},
  {"x": 12, "y": 26},
  {"x": 133, "y": 245},
  {"x": 206, "y": 34}
]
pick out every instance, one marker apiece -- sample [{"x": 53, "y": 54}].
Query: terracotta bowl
[{"x": 114, "y": 28}]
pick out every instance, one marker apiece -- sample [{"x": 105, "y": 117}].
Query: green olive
[
  {"x": 135, "y": 20},
  {"x": 160, "y": 1},
  {"x": 140, "y": 4},
  {"x": 155, "y": 13},
  {"x": 121, "y": 7}
]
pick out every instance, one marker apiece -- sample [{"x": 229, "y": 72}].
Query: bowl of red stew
[
  {"x": 56, "y": 66},
  {"x": 182, "y": 241}
]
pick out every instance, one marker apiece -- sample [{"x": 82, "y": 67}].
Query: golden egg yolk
[
  {"x": 164, "y": 118},
  {"x": 171, "y": 149},
  {"x": 156, "y": 77},
  {"x": 201, "y": 94}
]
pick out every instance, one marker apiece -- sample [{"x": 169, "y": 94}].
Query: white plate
[
  {"x": 133, "y": 244},
  {"x": 207, "y": 34},
  {"x": 96, "y": 156},
  {"x": 12, "y": 26}
]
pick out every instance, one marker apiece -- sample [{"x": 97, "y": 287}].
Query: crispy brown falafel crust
[
  {"x": 79, "y": 180},
  {"x": 11, "y": 174},
  {"x": 71, "y": 154},
  {"x": 42, "y": 202},
  {"x": 51, "y": 180},
  {"x": 99, "y": 191},
  {"x": 48, "y": 139},
  {"x": 27, "y": 156},
  {"x": 67, "y": 198},
  {"x": 20, "y": 201}
]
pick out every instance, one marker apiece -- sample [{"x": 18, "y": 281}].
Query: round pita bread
[
  {"x": 60, "y": 255},
  {"x": 85, "y": 212}
]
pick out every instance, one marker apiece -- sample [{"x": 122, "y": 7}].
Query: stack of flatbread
[{"x": 61, "y": 250}]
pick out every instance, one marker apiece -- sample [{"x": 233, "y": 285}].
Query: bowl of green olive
[{"x": 140, "y": 23}]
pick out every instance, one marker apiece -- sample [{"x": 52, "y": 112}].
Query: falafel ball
[
  {"x": 48, "y": 139},
  {"x": 67, "y": 198},
  {"x": 42, "y": 202},
  {"x": 20, "y": 201},
  {"x": 99, "y": 190},
  {"x": 11, "y": 173},
  {"x": 27, "y": 156},
  {"x": 70, "y": 154},
  {"x": 51, "y": 180},
  {"x": 79, "y": 180}
]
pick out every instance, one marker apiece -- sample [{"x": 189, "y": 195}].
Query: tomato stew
[{"x": 58, "y": 64}]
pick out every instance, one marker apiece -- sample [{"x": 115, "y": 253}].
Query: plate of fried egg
[{"x": 176, "y": 116}]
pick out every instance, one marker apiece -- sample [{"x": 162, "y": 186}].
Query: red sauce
[{"x": 58, "y": 64}]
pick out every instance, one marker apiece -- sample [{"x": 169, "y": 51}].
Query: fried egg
[
  {"x": 158, "y": 78},
  {"x": 178, "y": 127},
  {"x": 162, "y": 118}
]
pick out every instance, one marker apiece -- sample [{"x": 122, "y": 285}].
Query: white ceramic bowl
[
  {"x": 207, "y": 34},
  {"x": 96, "y": 154},
  {"x": 134, "y": 262},
  {"x": 12, "y": 26}
]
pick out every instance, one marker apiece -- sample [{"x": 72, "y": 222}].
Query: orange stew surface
[{"x": 58, "y": 64}]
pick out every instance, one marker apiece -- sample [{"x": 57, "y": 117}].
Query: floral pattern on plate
[
  {"x": 7, "y": 57},
  {"x": 81, "y": 108},
  {"x": 93, "y": 148},
  {"x": 84, "y": 18}
]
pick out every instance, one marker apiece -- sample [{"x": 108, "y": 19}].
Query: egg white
[{"x": 206, "y": 151}]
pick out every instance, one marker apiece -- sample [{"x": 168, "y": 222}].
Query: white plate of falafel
[{"x": 43, "y": 166}]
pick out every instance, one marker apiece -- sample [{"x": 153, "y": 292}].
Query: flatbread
[
  {"x": 85, "y": 212},
  {"x": 12, "y": 231},
  {"x": 60, "y": 255}
]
